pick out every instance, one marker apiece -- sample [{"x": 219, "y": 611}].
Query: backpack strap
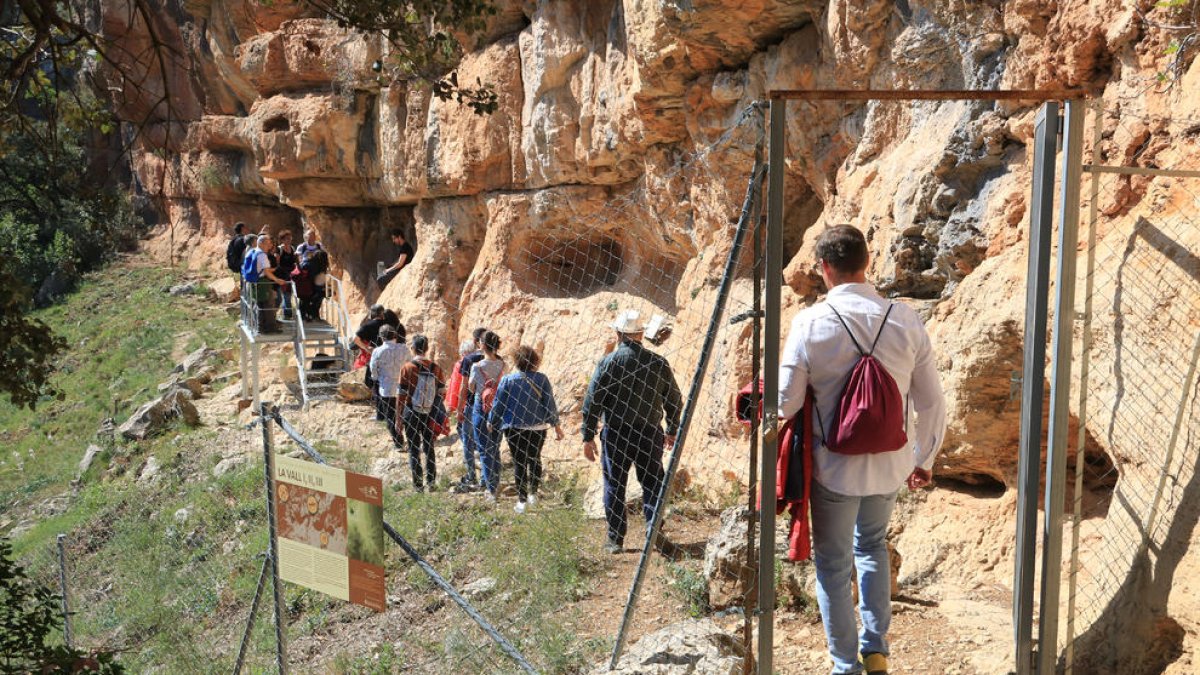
[
  {"x": 848, "y": 331},
  {"x": 881, "y": 326},
  {"x": 851, "y": 333}
]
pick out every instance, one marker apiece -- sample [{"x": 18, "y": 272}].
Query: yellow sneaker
[{"x": 875, "y": 663}]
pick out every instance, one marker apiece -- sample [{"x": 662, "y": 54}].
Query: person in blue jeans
[
  {"x": 465, "y": 410},
  {"x": 853, "y": 495},
  {"x": 482, "y": 383},
  {"x": 524, "y": 410}
]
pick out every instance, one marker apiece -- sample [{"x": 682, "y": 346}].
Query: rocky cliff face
[{"x": 617, "y": 159}]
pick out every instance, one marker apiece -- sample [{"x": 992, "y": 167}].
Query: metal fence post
[
  {"x": 1085, "y": 357},
  {"x": 773, "y": 283},
  {"x": 751, "y": 568},
  {"x": 693, "y": 397},
  {"x": 262, "y": 581},
  {"x": 265, "y": 417},
  {"x": 1060, "y": 386},
  {"x": 1033, "y": 384},
  {"x": 62, "y": 582}
]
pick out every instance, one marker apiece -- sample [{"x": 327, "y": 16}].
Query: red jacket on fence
[{"x": 793, "y": 471}]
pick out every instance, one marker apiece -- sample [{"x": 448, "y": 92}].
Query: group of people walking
[
  {"x": 416, "y": 400},
  {"x": 854, "y": 371},
  {"x": 268, "y": 269}
]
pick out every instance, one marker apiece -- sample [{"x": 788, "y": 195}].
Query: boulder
[
  {"x": 225, "y": 288},
  {"x": 149, "y": 472},
  {"x": 195, "y": 385},
  {"x": 686, "y": 648},
  {"x": 193, "y": 360},
  {"x": 725, "y": 569},
  {"x": 89, "y": 456},
  {"x": 228, "y": 464},
  {"x": 153, "y": 415},
  {"x": 189, "y": 288},
  {"x": 353, "y": 391},
  {"x": 593, "y": 499},
  {"x": 479, "y": 589}
]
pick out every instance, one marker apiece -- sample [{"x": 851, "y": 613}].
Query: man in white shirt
[
  {"x": 386, "y": 361},
  {"x": 853, "y": 495}
]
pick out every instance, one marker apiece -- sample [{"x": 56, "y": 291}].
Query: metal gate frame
[{"x": 1037, "y": 298}]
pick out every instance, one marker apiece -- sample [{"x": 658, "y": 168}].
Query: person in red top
[{"x": 421, "y": 384}]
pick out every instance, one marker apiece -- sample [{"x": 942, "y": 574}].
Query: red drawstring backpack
[{"x": 870, "y": 413}]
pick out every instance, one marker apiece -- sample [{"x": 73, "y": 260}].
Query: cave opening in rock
[
  {"x": 277, "y": 123},
  {"x": 569, "y": 267},
  {"x": 978, "y": 485}
]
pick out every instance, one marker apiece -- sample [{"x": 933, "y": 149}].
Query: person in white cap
[{"x": 632, "y": 390}]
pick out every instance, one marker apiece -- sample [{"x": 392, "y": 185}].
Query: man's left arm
[
  {"x": 672, "y": 402},
  {"x": 929, "y": 403}
]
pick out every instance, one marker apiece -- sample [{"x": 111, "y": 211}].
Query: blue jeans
[
  {"x": 625, "y": 447},
  {"x": 851, "y": 533},
  {"x": 466, "y": 435},
  {"x": 487, "y": 443}
]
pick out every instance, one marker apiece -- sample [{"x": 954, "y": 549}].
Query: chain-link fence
[
  {"x": 617, "y": 322},
  {"x": 1135, "y": 489}
]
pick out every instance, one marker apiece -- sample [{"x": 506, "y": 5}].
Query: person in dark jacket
[
  {"x": 236, "y": 249},
  {"x": 632, "y": 390},
  {"x": 286, "y": 254}
]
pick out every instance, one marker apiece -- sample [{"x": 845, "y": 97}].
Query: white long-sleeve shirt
[
  {"x": 820, "y": 352},
  {"x": 386, "y": 362}
]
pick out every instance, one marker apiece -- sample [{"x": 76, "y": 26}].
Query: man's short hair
[
  {"x": 387, "y": 333},
  {"x": 376, "y": 311},
  {"x": 477, "y": 335},
  {"x": 238, "y": 227},
  {"x": 844, "y": 247},
  {"x": 252, "y": 240},
  {"x": 420, "y": 344},
  {"x": 397, "y": 232},
  {"x": 527, "y": 359}
]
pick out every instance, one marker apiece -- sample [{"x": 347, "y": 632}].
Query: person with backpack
[
  {"x": 633, "y": 390},
  {"x": 482, "y": 382},
  {"x": 387, "y": 362},
  {"x": 869, "y": 362},
  {"x": 524, "y": 410},
  {"x": 421, "y": 386},
  {"x": 259, "y": 271},
  {"x": 310, "y": 278},
  {"x": 236, "y": 250}
]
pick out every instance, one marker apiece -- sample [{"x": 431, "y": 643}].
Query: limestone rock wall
[{"x": 620, "y": 150}]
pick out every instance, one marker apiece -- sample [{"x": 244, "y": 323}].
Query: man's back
[
  {"x": 633, "y": 385},
  {"x": 821, "y": 353}
]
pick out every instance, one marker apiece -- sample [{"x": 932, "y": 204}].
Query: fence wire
[{"x": 1137, "y": 442}]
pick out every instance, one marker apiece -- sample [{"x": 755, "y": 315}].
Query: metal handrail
[
  {"x": 249, "y": 307},
  {"x": 338, "y": 310},
  {"x": 298, "y": 340}
]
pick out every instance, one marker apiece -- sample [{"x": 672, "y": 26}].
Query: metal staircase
[{"x": 321, "y": 347}]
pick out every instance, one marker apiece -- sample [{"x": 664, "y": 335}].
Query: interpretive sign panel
[{"x": 330, "y": 526}]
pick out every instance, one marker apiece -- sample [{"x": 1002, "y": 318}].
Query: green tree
[
  {"x": 27, "y": 346},
  {"x": 29, "y": 617}
]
